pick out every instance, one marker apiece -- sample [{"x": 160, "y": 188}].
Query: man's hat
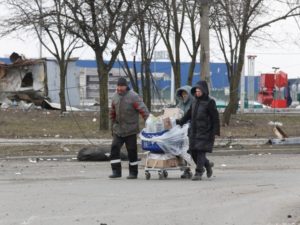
[{"x": 122, "y": 82}]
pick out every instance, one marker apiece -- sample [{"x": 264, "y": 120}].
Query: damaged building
[{"x": 36, "y": 81}]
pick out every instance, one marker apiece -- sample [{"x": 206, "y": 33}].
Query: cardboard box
[
  {"x": 173, "y": 112},
  {"x": 163, "y": 163},
  {"x": 167, "y": 123}
]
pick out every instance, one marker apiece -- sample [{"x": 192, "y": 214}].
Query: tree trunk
[
  {"x": 62, "y": 88},
  {"x": 191, "y": 70},
  {"x": 143, "y": 81},
  {"x": 103, "y": 91},
  {"x": 127, "y": 69},
  {"x": 148, "y": 84},
  {"x": 204, "y": 39},
  {"x": 135, "y": 74},
  {"x": 177, "y": 72},
  {"x": 175, "y": 67},
  {"x": 174, "y": 54},
  {"x": 233, "y": 104}
]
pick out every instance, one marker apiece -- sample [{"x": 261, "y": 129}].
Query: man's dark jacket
[{"x": 124, "y": 113}]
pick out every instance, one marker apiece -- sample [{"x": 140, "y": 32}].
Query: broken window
[{"x": 27, "y": 80}]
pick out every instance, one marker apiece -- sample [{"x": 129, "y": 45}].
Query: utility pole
[
  {"x": 251, "y": 67},
  {"x": 242, "y": 89},
  {"x": 204, "y": 39},
  {"x": 172, "y": 97},
  {"x": 41, "y": 29}
]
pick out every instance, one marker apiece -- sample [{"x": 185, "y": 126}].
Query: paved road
[{"x": 249, "y": 189}]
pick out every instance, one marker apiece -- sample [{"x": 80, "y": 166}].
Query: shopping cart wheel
[
  {"x": 147, "y": 175},
  {"x": 165, "y": 173},
  {"x": 160, "y": 175}
]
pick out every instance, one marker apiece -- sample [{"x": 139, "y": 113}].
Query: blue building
[
  {"x": 219, "y": 78},
  {"x": 88, "y": 84},
  {"x": 218, "y": 71}
]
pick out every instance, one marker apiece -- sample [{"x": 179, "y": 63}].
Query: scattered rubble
[{"x": 32, "y": 81}]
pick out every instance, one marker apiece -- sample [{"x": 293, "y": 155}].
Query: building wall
[
  {"x": 219, "y": 77},
  {"x": 72, "y": 86},
  {"x": 11, "y": 83},
  {"x": 89, "y": 84}
]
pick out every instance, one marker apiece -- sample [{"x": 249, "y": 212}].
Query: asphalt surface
[{"x": 248, "y": 189}]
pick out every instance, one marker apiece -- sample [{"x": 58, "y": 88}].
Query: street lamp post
[
  {"x": 242, "y": 89},
  {"x": 251, "y": 67},
  {"x": 41, "y": 29}
]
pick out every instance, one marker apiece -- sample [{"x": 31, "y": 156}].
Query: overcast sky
[{"x": 283, "y": 52}]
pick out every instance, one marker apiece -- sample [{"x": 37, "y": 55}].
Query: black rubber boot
[
  {"x": 197, "y": 176},
  {"x": 209, "y": 171},
  {"x": 133, "y": 172},
  {"x": 131, "y": 176},
  {"x": 187, "y": 174},
  {"x": 115, "y": 174}
]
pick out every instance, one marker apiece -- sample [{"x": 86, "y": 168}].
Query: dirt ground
[
  {"x": 35, "y": 123},
  {"x": 44, "y": 123}
]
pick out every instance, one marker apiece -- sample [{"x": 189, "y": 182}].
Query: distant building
[
  {"x": 33, "y": 80},
  {"x": 161, "y": 72},
  {"x": 41, "y": 78}
]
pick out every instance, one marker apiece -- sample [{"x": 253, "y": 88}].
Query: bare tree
[
  {"x": 146, "y": 36},
  {"x": 103, "y": 25},
  {"x": 37, "y": 16},
  {"x": 168, "y": 16},
  {"x": 185, "y": 16},
  {"x": 235, "y": 23},
  {"x": 193, "y": 14},
  {"x": 133, "y": 76}
]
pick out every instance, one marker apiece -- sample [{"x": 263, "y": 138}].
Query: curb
[
  {"x": 218, "y": 142},
  {"x": 240, "y": 141},
  {"x": 218, "y": 151}
]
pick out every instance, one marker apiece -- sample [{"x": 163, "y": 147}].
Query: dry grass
[
  {"x": 49, "y": 124},
  {"x": 256, "y": 125},
  {"x": 41, "y": 123}
]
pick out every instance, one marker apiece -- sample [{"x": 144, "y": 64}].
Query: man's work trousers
[{"x": 131, "y": 146}]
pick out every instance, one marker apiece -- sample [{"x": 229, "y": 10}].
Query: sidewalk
[
  {"x": 220, "y": 142},
  {"x": 223, "y": 147}
]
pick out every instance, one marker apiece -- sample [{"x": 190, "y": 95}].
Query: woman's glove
[
  {"x": 212, "y": 136},
  {"x": 178, "y": 122}
]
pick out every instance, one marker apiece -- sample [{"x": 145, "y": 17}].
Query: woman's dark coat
[{"x": 204, "y": 118}]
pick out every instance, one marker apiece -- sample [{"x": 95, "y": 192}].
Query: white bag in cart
[{"x": 174, "y": 142}]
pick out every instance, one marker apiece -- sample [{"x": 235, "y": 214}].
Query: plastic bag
[
  {"x": 150, "y": 124},
  {"x": 154, "y": 124},
  {"x": 175, "y": 141}
]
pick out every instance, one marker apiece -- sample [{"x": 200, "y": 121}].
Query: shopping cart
[{"x": 157, "y": 160}]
